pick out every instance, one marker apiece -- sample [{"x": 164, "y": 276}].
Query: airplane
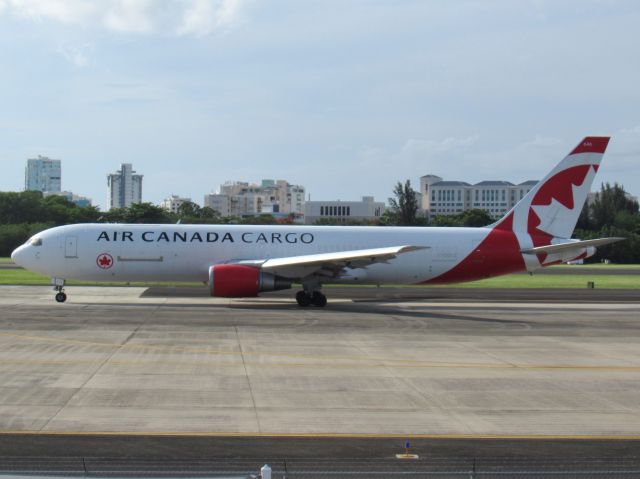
[{"x": 244, "y": 260}]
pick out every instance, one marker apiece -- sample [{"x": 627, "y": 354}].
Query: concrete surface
[
  {"x": 118, "y": 360},
  {"x": 310, "y": 458}
]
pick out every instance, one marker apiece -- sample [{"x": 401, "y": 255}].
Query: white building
[
  {"x": 173, "y": 202},
  {"x": 269, "y": 197},
  {"x": 343, "y": 211},
  {"x": 220, "y": 203},
  {"x": 441, "y": 197},
  {"x": 125, "y": 187},
  {"x": 43, "y": 174},
  {"x": 72, "y": 197}
]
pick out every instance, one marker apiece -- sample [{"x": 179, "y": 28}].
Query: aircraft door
[{"x": 71, "y": 247}]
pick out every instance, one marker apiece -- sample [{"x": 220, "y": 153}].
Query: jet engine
[{"x": 242, "y": 281}]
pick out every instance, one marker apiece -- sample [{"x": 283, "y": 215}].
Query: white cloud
[
  {"x": 169, "y": 17},
  {"x": 625, "y": 147},
  {"x": 78, "y": 55},
  {"x": 66, "y": 11},
  {"x": 130, "y": 16},
  {"x": 416, "y": 157},
  {"x": 427, "y": 148},
  {"x": 205, "y": 16},
  {"x": 540, "y": 142}
]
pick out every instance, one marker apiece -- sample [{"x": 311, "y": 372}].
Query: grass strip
[{"x": 605, "y": 281}]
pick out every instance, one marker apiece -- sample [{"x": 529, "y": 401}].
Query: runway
[
  {"x": 119, "y": 360},
  {"x": 173, "y": 381}
]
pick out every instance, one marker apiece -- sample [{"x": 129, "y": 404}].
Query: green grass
[
  {"x": 601, "y": 281},
  {"x": 24, "y": 277},
  {"x": 604, "y": 281},
  {"x": 515, "y": 281},
  {"x": 577, "y": 267},
  {"x": 21, "y": 276}
]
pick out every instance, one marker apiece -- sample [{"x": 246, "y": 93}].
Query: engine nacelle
[{"x": 241, "y": 281}]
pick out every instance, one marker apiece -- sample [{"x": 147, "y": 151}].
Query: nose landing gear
[{"x": 58, "y": 283}]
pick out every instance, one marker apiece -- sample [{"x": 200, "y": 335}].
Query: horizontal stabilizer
[{"x": 559, "y": 248}]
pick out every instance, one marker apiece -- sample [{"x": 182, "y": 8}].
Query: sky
[{"x": 345, "y": 97}]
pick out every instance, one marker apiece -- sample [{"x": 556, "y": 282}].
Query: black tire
[
  {"x": 61, "y": 297},
  {"x": 318, "y": 299},
  {"x": 303, "y": 299}
]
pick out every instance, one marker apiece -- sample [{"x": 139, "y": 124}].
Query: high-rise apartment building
[
  {"x": 43, "y": 174},
  {"x": 125, "y": 187}
]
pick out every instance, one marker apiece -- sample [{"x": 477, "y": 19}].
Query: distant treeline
[
  {"x": 26, "y": 213},
  {"x": 612, "y": 213}
]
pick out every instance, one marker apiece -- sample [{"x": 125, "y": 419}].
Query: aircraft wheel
[
  {"x": 303, "y": 299},
  {"x": 318, "y": 299},
  {"x": 61, "y": 297}
]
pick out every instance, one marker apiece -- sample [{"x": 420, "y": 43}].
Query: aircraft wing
[
  {"x": 330, "y": 264},
  {"x": 561, "y": 247}
]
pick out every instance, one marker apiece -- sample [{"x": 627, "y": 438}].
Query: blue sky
[{"x": 343, "y": 97}]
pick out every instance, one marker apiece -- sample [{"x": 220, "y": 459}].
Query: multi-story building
[
  {"x": 43, "y": 174},
  {"x": 173, "y": 202},
  {"x": 441, "y": 197},
  {"x": 269, "y": 197},
  {"x": 125, "y": 187},
  {"x": 73, "y": 198},
  {"x": 343, "y": 211}
]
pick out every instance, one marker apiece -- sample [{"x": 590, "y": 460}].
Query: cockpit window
[{"x": 36, "y": 242}]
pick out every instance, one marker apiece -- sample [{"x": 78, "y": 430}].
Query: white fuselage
[{"x": 125, "y": 252}]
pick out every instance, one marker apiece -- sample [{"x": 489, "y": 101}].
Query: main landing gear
[
  {"x": 308, "y": 298},
  {"x": 61, "y": 296}
]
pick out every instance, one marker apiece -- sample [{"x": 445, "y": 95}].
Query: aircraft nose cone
[{"x": 18, "y": 255}]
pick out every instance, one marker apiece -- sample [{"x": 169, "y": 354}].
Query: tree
[
  {"x": 612, "y": 213},
  {"x": 445, "y": 220},
  {"x": 15, "y": 234},
  {"x": 32, "y": 207},
  {"x": 404, "y": 207},
  {"x": 476, "y": 218},
  {"x": 143, "y": 213},
  {"x": 24, "y": 207},
  {"x": 608, "y": 203},
  {"x": 209, "y": 215},
  {"x": 189, "y": 209},
  {"x": 262, "y": 219}
]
